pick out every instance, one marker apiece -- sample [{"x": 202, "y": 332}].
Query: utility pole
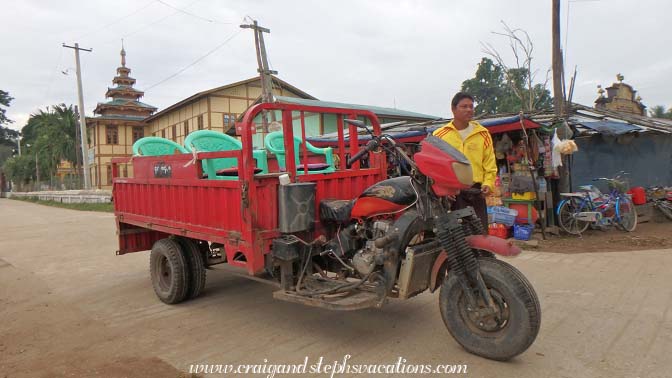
[
  {"x": 82, "y": 121},
  {"x": 558, "y": 95},
  {"x": 262, "y": 62},
  {"x": 78, "y": 140}
]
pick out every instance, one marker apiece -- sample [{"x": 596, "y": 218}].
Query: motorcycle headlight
[{"x": 463, "y": 172}]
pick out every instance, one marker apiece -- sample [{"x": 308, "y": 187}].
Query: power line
[
  {"x": 150, "y": 24},
  {"x": 194, "y": 62},
  {"x": 564, "y": 50},
  {"x": 115, "y": 21},
  {"x": 192, "y": 14},
  {"x": 53, "y": 73}
]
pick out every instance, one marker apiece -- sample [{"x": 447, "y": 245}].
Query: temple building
[
  {"x": 620, "y": 98},
  {"x": 117, "y": 125}
]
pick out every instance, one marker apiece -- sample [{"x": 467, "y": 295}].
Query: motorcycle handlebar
[
  {"x": 471, "y": 191},
  {"x": 373, "y": 143}
]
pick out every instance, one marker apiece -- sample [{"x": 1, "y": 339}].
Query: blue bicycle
[{"x": 590, "y": 207}]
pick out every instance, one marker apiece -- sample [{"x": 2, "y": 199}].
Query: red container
[
  {"x": 498, "y": 230},
  {"x": 638, "y": 195}
]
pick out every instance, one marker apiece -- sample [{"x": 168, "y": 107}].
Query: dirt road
[{"x": 70, "y": 308}]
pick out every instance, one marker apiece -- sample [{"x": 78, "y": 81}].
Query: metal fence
[{"x": 69, "y": 182}]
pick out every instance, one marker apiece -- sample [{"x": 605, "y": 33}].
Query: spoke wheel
[
  {"x": 665, "y": 207},
  {"x": 567, "y": 218},
  {"x": 627, "y": 215}
]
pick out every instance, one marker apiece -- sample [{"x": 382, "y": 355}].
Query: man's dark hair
[{"x": 459, "y": 96}]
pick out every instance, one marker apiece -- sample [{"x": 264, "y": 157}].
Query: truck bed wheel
[
  {"x": 195, "y": 267},
  {"x": 168, "y": 270}
]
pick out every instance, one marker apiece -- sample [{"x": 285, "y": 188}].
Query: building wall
[
  {"x": 218, "y": 111},
  {"x": 172, "y": 124},
  {"x": 647, "y": 157},
  {"x": 103, "y": 152}
]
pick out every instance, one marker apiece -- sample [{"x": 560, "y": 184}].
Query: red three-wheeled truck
[{"x": 329, "y": 227}]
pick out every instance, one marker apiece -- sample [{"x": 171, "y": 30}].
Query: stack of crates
[
  {"x": 501, "y": 219},
  {"x": 502, "y": 215}
]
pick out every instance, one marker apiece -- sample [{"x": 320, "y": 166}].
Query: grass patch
[{"x": 104, "y": 207}]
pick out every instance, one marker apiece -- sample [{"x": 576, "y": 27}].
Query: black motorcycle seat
[{"x": 332, "y": 210}]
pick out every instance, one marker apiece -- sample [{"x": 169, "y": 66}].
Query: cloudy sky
[{"x": 414, "y": 54}]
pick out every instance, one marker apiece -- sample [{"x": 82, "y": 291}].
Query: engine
[{"x": 366, "y": 259}]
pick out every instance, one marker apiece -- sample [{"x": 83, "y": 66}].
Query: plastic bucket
[{"x": 638, "y": 195}]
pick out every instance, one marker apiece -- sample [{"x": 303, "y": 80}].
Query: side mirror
[
  {"x": 360, "y": 124},
  {"x": 355, "y": 122}
]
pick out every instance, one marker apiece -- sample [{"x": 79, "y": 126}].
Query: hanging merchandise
[
  {"x": 556, "y": 157},
  {"x": 548, "y": 160},
  {"x": 535, "y": 145},
  {"x": 503, "y": 146}
]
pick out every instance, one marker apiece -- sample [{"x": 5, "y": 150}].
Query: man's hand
[{"x": 486, "y": 190}]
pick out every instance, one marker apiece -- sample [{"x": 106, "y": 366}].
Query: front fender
[{"x": 492, "y": 244}]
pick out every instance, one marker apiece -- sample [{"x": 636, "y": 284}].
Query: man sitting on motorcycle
[{"x": 475, "y": 142}]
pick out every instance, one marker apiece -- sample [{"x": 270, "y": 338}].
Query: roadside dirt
[
  {"x": 44, "y": 337},
  {"x": 646, "y": 236}
]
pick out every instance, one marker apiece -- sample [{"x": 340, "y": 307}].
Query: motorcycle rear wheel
[{"x": 508, "y": 333}]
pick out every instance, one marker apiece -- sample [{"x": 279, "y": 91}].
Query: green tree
[
  {"x": 7, "y": 135},
  {"x": 498, "y": 90},
  {"x": 486, "y": 87},
  {"x": 49, "y": 137},
  {"x": 659, "y": 111}
]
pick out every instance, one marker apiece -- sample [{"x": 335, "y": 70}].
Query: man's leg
[{"x": 477, "y": 202}]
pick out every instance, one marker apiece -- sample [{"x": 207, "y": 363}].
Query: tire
[
  {"x": 501, "y": 339},
  {"x": 168, "y": 270},
  {"x": 567, "y": 222},
  {"x": 627, "y": 214},
  {"x": 195, "y": 267},
  {"x": 665, "y": 207}
]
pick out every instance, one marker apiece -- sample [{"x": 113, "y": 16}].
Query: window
[
  {"x": 109, "y": 175},
  {"x": 227, "y": 120},
  {"x": 200, "y": 122},
  {"x": 112, "y": 133},
  {"x": 138, "y": 132},
  {"x": 186, "y": 128},
  {"x": 163, "y": 133},
  {"x": 175, "y": 133}
]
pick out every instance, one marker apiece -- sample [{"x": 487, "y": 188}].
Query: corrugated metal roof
[
  {"x": 611, "y": 127},
  {"x": 379, "y": 111},
  {"x": 117, "y": 116},
  {"x": 123, "y": 102}
]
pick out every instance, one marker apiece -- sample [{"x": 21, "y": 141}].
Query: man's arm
[{"x": 489, "y": 163}]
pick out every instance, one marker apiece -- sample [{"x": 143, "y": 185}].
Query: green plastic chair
[
  {"x": 155, "y": 146},
  {"x": 222, "y": 168},
  {"x": 275, "y": 143}
]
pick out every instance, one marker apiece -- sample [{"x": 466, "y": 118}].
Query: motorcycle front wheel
[{"x": 507, "y": 333}]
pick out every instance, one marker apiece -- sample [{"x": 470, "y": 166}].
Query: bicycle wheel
[
  {"x": 626, "y": 214},
  {"x": 665, "y": 207},
  {"x": 567, "y": 218}
]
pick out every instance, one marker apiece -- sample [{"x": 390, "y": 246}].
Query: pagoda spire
[
  {"x": 123, "y": 54},
  {"x": 125, "y": 98}
]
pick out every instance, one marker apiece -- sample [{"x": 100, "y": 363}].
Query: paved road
[{"x": 68, "y": 305}]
